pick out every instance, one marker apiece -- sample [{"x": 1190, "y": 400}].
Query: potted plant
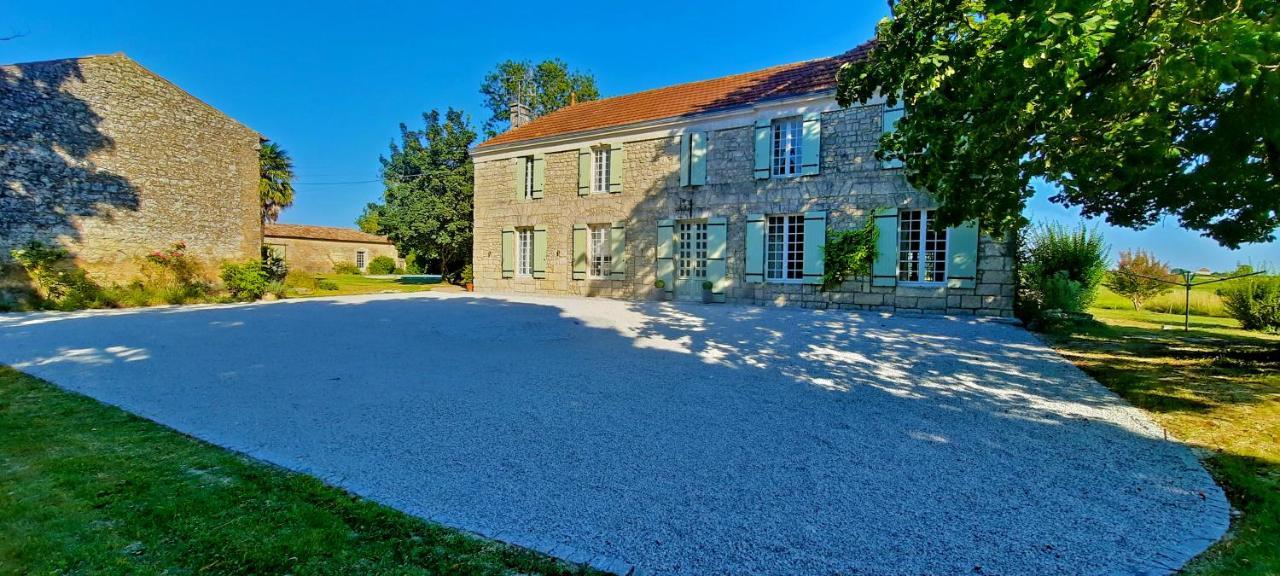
[
  {"x": 707, "y": 296},
  {"x": 661, "y": 285},
  {"x": 467, "y": 276}
]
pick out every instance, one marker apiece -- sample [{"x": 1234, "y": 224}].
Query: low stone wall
[{"x": 112, "y": 162}]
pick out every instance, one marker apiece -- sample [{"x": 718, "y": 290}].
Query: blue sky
[{"x": 331, "y": 81}]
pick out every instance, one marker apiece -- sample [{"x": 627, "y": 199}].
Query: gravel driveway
[{"x": 680, "y": 439}]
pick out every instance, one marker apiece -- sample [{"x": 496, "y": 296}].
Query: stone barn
[
  {"x": 111, "y": 161},
  {"x": 318, "y": 249}
]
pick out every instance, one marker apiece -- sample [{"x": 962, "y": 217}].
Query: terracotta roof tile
[
  {"x": 685, "y": 99},
  {"x": 276, "y": 230}
]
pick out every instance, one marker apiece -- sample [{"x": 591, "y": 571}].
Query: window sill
[{"x": 783, "y": 282}]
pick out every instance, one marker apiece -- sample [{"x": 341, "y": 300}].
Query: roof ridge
[{"x": 705, "y": 95}]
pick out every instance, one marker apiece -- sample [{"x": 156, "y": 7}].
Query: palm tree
[{"x": 275, "y": 182}]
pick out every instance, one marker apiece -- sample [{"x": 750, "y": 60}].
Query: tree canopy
[
  {"x": 275, "y": 180},
  {"x": 368, "y": 220},
  {"x": 545, "y": 87},
  {"x": 427, "y": 200},
  {"x": 1132, "y": 109}
]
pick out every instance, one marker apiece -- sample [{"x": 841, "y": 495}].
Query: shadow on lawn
[{"x": 1168, "y": 371}]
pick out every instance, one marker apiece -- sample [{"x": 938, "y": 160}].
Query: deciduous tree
[
  {"x": 1139, "y": 276},
  {"x": 1132, "y": 109},
  {"x": 427, "y": 200},
  {"x": 545, "y": 87}
]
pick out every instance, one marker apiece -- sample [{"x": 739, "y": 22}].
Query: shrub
[
  {"x": 277, "y": 288},
  {"x": 468, "y": 274},
  {"x": 1051, "y": 255},
  {"x": 382, "y": 265},
  {"x": 58, "y": 283},
  {"x": 1256, "y": 305},
  {"x": 1139, "y": 276},
  {"x": 323, "y": 284},
  {"x": 168, "y": 276},
  {"x": 273, "y": 265},
  {"x": 299, "y": 279},
  {"x": 349, "y": 268},
  {"x": 849, "y": 253},
  {"x": 244, "y": 281}
]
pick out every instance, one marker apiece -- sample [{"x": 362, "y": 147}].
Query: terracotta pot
[{"x": 471, "y": 287}]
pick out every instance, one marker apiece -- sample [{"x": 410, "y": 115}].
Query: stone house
[
  {"x": 317, "y": 249},
  {"x": 734, "y": 182},
  {"x": 112, "y": 161}
]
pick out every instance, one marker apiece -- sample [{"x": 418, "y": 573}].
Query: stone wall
[
  {"x": 851, "y": 184},
  {"x": 319, "y": 256},
  {"x": 112, "y": 161}
]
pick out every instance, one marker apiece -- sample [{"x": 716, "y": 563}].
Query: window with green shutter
[
  {"x": 755, "y": 258},
  {"x": 537, "y": 181},
  {"x": 889, "y": 123},
  {"x": 508, "y": 252},
  {"x": 962, "y": 243},
  {"x": 539, "y": 252},
  {"x": 693, "y": 159},
  {"x": 666, "y": 266},
  {"x": 884, "y": 269},
  {"x": 717, "y": 252},
  {"x": 810, "y": 144},
  {"x": 580, "y": 251},
  {"x": 815, "y": 237},
  {"x": 618, "y": 250}
]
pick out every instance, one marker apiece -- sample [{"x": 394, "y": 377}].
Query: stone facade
[
  {"x": 319, "y": 252},
  {"x": 851, "y": 184},
  {"x": 111, "y": 161}
]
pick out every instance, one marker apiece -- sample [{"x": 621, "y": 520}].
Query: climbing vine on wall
[{"x": 849, "y": 253}]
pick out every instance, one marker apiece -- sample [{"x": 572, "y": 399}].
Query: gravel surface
[{"x": 682, "y": 439}]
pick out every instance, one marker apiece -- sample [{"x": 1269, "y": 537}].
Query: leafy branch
[{"x": 849, "y": 253}]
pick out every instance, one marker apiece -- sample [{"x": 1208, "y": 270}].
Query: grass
[
  {"x": 89, "y": 489},
  {"x": 1217, "y": 388},
  {"x": 347, "y": 284}
]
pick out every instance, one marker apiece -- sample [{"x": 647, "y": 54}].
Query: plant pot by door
[
  {"x": 707, "y": 296},
  {"x": 471, "y": 287}
]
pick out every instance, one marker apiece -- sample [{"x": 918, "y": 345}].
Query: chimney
[{"x": 518, "y": 114}]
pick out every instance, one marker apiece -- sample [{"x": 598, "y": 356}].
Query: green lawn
[
  {"x": 89, "y": 489},
  {"x": 352, "y": 284},
  {"x": 1217, "y": 388}
]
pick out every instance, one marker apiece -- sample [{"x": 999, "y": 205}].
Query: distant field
[{"x": 1204, "y": 299}]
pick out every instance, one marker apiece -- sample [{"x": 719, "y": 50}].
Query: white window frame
[
  {"x": 599, "y": 254},
  {"x": 524, "y": 251},
  {"x": 362, "y": 259},
  {"x": 528, "y": 177},
  {"x": 600, "y": 169},
  {"x": 791, "y": 233},
  {"x": 786, "y": 146},
  {"x": 919, "y": 250}
]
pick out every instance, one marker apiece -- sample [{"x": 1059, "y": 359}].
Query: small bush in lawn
[
  {"x": 299, "y": 279},
  {"x": 411, "y": 265},
  {"x": 329, "y": 285},
  {"x": 277, "y": 288},
  {"x": 1256, "y": 305},
  {"x": 273, "y": 265},
  {"x": 348, "y": 268},
  {"x": 245, "y": 280},
  {"x": 382, "y": 265}
]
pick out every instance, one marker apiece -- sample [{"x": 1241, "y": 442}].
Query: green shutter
[
  {"x": 697, "y": 158},
  {"x": 580, "y": 251},
  {"x": 584, "y": 171},
  {"x": 962, "y": 255},
  {"x": 519, "y": 172},
  {"x": 539, "y": 174},
  {"x": 666, "y": 254},
  {"x": 539, "y": 252},
  {"x": 811, "y": 144},
  {"x": 889, "y": 123},
  {"x": 508, "y": 252},
  {"x": 717, "y": 251},
  {"x": 617, "y": 168},
  {"x": 755, "y": 249},
  {"x": 763, "y": 147},
  {"x": 884, "y": 271},
  {"x": 755, "y": 227},
  {"x": 686, "y": 143},
  {"x": 618, "y": 250},
  {"x": 815, "y": 237}
]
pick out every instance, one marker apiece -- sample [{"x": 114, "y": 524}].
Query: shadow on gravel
[{"x": 682, "y": 438}]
